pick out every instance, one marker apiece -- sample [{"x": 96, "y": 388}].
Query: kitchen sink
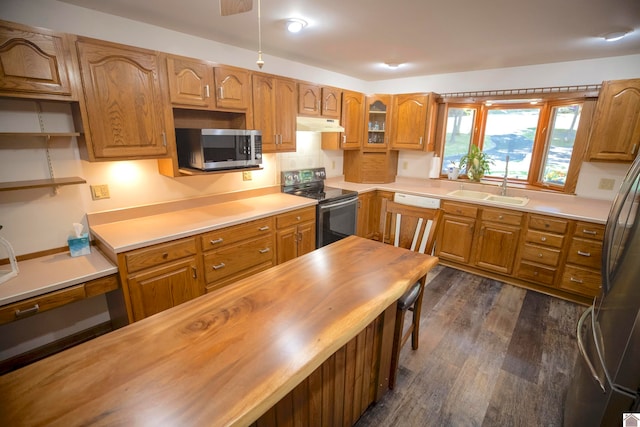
[{"x": 488, "y": 197}]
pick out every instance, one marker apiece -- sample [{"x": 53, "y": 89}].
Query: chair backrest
[{"x": 410, "y": 227}]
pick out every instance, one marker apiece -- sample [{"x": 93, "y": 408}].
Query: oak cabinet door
[
  {"x": 456, "y": 238},
  {"x": 233, "y": 88},
  {"x": 190, "y": 82},
  {"x": 353, "y": 105},
  {"x": 126, "y": 109},
  {"x": 409, "y": 121},
  {"x": 274, "y": 107},
  {"x": 496, "y": 247}
]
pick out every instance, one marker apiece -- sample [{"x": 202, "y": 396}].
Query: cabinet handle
[
  {"x": 218, "y": 240},
  {"x": 264, "y": 251},
  {"x": 420, "y": 140},
  {"x": 591, "y": 232},
  {"x": 500, "y": 217},
  {"x": 572, "y": 279},
  {"x": 28, "y": 311},
  {"x": 547, "y": 225},
  {"x": 164, "y": 139},
  {"x": 543, "y": 239},
  {"x": 194, "y": 272},
  {"x": 206, "y": 91},
  {"x": 319, "y": 105},
  {"x": 297, "y": 218},
  {"x": 584, "y": 253},
  {"x": 263, "y": 228},
  {"x": 535, "y": 273},
  {"x": 219, "y": 266},
  {"x": 165, "y": 255},
  {"x": 540, "y": 255},
  {"x": 344, "y": 138},
  {"x": 633, "y": 149},
  {"x": 221, "y": 92}
]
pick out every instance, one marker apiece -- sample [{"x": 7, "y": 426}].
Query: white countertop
[
  {"x": 50, "y": 273},
  {"x": 138, "y": 232},
  {"x": 548, "y": 203}
]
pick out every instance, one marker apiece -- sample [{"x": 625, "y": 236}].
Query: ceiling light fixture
[
  {"x": 294, "y": 25},
  {"x": 392, "y": 65},
  {"x": 616, "y": 35},
  {"x": 259, "y": 62}
]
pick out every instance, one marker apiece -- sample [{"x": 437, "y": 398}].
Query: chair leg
[
  {"x": 397, "y": 345},
  {"x": 417, "y": 309}
]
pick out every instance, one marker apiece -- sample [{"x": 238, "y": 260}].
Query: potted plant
[{"x": 476, "y": 163}]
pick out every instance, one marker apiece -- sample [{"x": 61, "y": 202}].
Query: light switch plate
[
  {"x": 246, "y": 176},
  {"x": 100, "y": 192},
  {"x": 606, "y": 184}
]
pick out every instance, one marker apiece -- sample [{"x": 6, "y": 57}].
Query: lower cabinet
[
  {"x": 582, "y": 269},
  {"x": 295, "y": 233},
  {"x": 369, "y": 207},
  {"x": 455, "y": 238},
  {"x": 160, "y": 277},
  {"x": 497, "y": 241}
]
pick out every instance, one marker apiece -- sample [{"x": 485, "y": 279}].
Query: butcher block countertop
[
  {"x": 224, "y": 358},
  {"x": 151, "y": 227}
]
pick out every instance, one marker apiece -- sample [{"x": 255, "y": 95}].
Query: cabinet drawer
[
  {"x": 236, "y": 233},
  {"x": 586, "y": 253},
  {"x": 459, "y": 209},
  {"x": 536, "y": 273},
  {"x": 541, "y": 255},
  {"x": 296, "y": 217},
  {"x": 502, "y": 216},
  {"x": 41, "y": 303},
  {"x": 235, "y": 258},
  {"x": 159, "y": 254},
  {"x": 546, "y": 239},
  {"x": 589, "y": 230},
  {"x": 544, "y": 223},
  {"x": 582, "y": 281}
]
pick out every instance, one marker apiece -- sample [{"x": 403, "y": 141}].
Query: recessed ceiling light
[
  {"x": 616, "y": 35},
  {"x": 294, "y": 25}
]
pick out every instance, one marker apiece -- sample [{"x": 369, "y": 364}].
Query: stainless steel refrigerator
[{"x": 606, "y": 381}]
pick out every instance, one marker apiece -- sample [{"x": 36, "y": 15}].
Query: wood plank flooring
[{"x": 490, "y": 354}]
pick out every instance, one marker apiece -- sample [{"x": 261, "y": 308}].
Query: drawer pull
[
  {"x": 543, "y": 239},
  {"x": 194, "y": 272},
  {"x": 264, "y": 251},
  {"x": 500, "y": 217},
  {"x": 572, "y": 279},
  {"x": 535, "y": 273},
  {"x": 298, "y": 218},
  {"x": 219, "y": 266},
  {"x": 264, "y": 228},
  {"x": 547, "y": 225},
  {"x": 584, "y": 253},
  {"x": 540, "y": 255},
  {"x": 218, "y": 240},
  {"x": 458, "y": 211},
  {"x": 593, "y": 233},
  {"x": 28, "y": 311},
  {"x": 165, "y": 255}
]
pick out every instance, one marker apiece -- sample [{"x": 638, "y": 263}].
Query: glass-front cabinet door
[{"x": 377, "y": 122}]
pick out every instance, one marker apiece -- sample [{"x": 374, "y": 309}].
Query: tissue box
[{"x": 79, "y": 246}]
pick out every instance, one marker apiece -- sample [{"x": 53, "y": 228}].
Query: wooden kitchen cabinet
[
  {"x": 497, "y": 241},
  {"x": 370, "y": 167},
  {"x": 455, "y": 237},
  {"x": 615, "y": 133},
  {"x": 232, "y": 253},
  {"x": 233, "y": 88},
  {"x": 319, "y": 101},
  {"x": 36, "y": 63},
  {"x": 160, "y": 277},
  {"x": 274, "y": 109},
  {"x": 125, "y": 110},
  {"x": 412, "y": 122},
  {"x": 582, "y": 273},
  {"x": 295, "y": 233},
  {"x": 378, "y": 115},
  {"x": 366, "y": 211},
  {"x": 352, "y": 120},
  {"x": 191, "y": 82}
]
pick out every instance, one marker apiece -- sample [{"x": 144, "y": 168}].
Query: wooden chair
[{"x": 412, "y": 228}]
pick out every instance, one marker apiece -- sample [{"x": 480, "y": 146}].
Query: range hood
[{"x": 316, "y": 124}]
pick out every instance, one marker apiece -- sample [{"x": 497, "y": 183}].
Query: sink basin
[{"x": 490, "y": 198}]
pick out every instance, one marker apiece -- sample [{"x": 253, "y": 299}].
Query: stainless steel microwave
[{"x": 219, "y": 149}]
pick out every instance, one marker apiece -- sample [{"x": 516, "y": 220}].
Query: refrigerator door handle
[{"x": 583, "y": 352}]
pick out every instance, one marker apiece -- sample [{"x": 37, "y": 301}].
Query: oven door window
[
  {"x": 221, "y": 148},
  {"x": 336, "y": 220}
]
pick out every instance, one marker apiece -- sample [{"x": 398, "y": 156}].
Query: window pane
[
  {"x": 563, "y": 125},
  {"x": 510, "y": 132},
  {"x": 460, "y": 123}
]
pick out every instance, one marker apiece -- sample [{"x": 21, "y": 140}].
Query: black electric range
[{"x": 310, "y": 183}]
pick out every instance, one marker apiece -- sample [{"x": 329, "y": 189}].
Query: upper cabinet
[
  {"x": 233, "y": 88},
  {"x": 319, "y": 101},
  {"x": 36, "y": 63},
  {"x": 378, "y": 108},
  {"x": 615, "y": 134},
  {"x": 412, "y": 122},
  {"x": 190, "y": 83},
  {"x": 274, "y": 106},
  {"x": 353, "y": 106},
  {"x": 125, "y": 110}
]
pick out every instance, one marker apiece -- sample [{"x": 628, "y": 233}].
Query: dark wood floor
[{"x": 490, "y": 354}]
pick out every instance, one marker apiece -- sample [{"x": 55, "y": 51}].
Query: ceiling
[{"x": 356, "y": 37}]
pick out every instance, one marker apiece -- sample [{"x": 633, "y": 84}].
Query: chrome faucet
[{"x": 503, "y": 186}]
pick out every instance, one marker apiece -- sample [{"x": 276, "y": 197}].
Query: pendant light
[{"x": 260, "y": 62}]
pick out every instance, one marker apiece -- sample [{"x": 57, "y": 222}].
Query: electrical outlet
[
  {"x": 99, "y": 191},
  {"x": 246, "y": 176},
  {"x": 333, "y": 164},
  {"x": 405, "y": 165},
  {"x": 606, "y": 184}
]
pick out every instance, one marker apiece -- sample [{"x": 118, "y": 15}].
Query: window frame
[{"x": 546, "y": 104}]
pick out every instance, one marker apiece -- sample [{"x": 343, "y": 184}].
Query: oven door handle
[{"x": 337, "y": 204}]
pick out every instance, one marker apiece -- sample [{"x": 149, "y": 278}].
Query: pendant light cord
[{"x": 260, "y": 62}]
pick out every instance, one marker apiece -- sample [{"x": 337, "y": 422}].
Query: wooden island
[{"x": 307, "y": 342}]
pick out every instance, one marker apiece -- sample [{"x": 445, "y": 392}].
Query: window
[{"x": 531, "y": 141}]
